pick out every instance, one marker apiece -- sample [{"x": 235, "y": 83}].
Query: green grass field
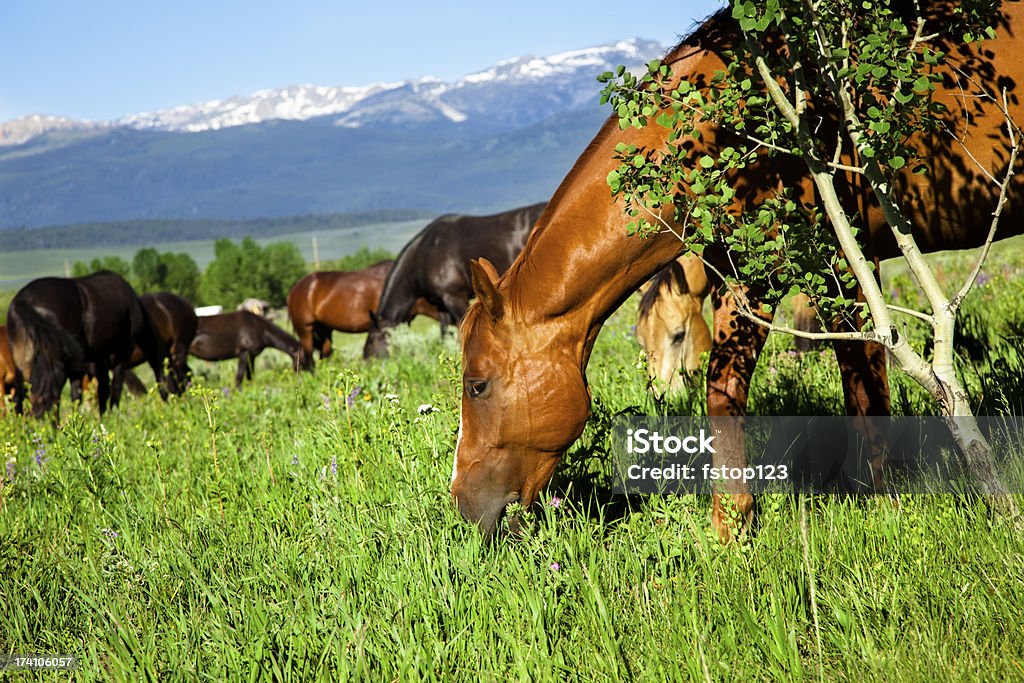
[{"x": 302, "y": 529}]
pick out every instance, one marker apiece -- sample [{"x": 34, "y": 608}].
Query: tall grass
[{"x": 302, "y": 529}]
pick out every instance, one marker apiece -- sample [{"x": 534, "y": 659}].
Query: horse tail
[
  {"x": 134, "y": 384},
  {"x": 42, "y": 350}
]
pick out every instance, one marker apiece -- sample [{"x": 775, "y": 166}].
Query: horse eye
[{"x": 476, "y": 387}]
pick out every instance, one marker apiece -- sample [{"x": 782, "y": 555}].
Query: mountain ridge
[{"x": 491, "y": 140}]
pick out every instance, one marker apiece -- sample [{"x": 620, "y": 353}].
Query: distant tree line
[
  {"x": 357, "y": 260},
  {"x": 237, "y": 272},
  {"x": 145, "y": 232}
]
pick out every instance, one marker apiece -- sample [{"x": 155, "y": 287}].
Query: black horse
[
  {"x": 64, "y": 328},
  {"x": 242, "y": 335},
  {"x": 434, "y": 265}
]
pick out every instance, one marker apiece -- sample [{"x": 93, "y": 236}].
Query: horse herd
[
  {"x": 70, "y": 329},
  {"x": 546, "y": 277}
]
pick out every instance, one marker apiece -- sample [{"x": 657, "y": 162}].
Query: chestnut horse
[
  {"x": 63, "y": 328},
  {"x": 434, "y": 265},
  {"x": 242, "y": 335},
  {"x": 527, "y": 340},
  {"x": 670, "y": 326},
  {"x": 7, "y": 369},
  {"x": 340, "y": 300}
]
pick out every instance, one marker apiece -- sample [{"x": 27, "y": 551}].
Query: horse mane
[
  {"x": 715, "y": 33},
  {"x": 662, "y": 280}
]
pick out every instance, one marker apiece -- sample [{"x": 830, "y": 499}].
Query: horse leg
[
  {"x": 866, "y": 394},
  {"x": 308, "y": 342},
  {"x": 179, "y": 368},
  {"x": 324, "y": 341},
  {"x": 446, "y": 321},
  {"x": 77, "y": 390},
  {"x": 102, "y": 386},
  {"x": 117, "y": 384},
  {"x": 19, "y": 392},
  {"x": 737, "y": 342},
  {"x": 455, "y": 306},
  {"x": 243, "y": 364}
]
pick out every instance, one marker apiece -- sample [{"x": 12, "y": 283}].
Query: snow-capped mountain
[
  {"x": 494, "y": 139},
  {"x": 514, "y": 92}
]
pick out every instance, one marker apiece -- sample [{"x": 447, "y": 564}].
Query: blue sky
[{"x": 101, "y": 59}]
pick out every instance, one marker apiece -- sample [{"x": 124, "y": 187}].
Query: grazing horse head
[
  {"x": 431, "y": 275},
  {"x": 671, "y": 327},
  {"x": 522, "y": 406},
  {"x": 527, "y": 341},
  {"x": 376, "y": 345}
]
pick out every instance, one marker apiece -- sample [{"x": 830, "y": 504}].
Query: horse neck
[
  {"x": 579, "y": 264},
  {"x": 277, "y": 338},
  {"x": 398, "y": 298}
]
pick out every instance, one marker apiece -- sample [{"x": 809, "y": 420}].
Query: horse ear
[{"x": 485, "y": 286}]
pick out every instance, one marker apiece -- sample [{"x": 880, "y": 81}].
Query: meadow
[{"x": 302, "y": 529}]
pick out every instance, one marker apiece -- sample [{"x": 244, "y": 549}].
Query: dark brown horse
[
  {"x": 325, "y": 301},
  {"x": 63, "y": 328},
  {"x": 434, "y": 265},
  {"x": 242, "y": 335},
  {"x": 527, "y": 340},
  {"x": 174, "y": 319},
  {"x": 7, "y": 369}
]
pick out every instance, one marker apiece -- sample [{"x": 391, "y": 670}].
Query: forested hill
[{"x": 161, "y": 231}]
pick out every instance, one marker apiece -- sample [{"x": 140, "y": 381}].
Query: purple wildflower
[
  {"x": 226, "y": 391},
  {"x": 10, "y": 469},
  {"x": 334, "y": 466},
  {"x": 983, "y": 279},
  {"x": 351, "y": 400},
  {"x": 555, "y": 567},
  {"x": 326, "y": 401},
  {"x": 110, "y": 534},
  {"x": 40, "y": 451},
  {"x": 556, "y": 502},
  {"x": 295, "y": 458}
]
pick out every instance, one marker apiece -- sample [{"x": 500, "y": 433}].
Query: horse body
[
  {"x": 434, "y": 267},
  {"x": 242, "y": 335},
  {"x": 527, "y": 340},
  {"x": 65, "y": 328},
  {"x": 325, "y": 301},
  {"x": 670, "y": 326}
]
